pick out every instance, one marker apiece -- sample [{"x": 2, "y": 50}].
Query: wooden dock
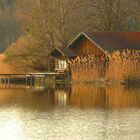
[{"x": 33, "y": 78}]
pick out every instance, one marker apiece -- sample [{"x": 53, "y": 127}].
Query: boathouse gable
[{"x": 83, "y": 46}]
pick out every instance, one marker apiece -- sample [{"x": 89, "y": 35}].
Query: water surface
[{"x": 79, "y": 112}]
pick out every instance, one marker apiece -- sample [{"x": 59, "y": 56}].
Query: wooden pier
[{"x": 33, "y": 78}]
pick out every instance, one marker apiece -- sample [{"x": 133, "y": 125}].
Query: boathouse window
[{"x": 62, "y": 64}]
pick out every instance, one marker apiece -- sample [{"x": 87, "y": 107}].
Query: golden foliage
[
  {"x": 18, "y": 52},
  {"x": 5, "y": 68},
  {"x": 18, "y": 48}
]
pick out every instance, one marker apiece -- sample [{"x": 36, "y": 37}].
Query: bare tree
[
  {"x": 113, "y": 15},
  {"x": 51, "y": 24}
]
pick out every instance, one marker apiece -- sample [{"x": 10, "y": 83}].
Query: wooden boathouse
[{"x": 99, "y": 44}]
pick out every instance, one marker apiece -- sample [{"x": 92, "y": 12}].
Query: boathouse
[
  {"x": 61, "y": 56},
  {"x": 99, "y": 44}
]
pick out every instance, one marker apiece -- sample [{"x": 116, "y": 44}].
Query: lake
[{"x": 77, "y": 112}]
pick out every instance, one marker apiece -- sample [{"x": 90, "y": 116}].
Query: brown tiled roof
[{"x": 112, "y": 41}]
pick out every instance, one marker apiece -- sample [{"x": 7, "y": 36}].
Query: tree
[
  {"x": 9, "y": 28},
  {"x": 54, "y": 23},
  {"x": 114, "y": 15},
  {"x": 51, "y": 24}
]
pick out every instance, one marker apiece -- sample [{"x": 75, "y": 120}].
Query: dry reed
[
  {"x": 120, "y": 67},
  {"x": 124, "y": 67},
  {"x": 84, "y": 69}
]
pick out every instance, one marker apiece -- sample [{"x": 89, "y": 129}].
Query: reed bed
[
  {"x": 119, "y": 67},
  {"x": 85, "y": 69},
  {"x": 124, "y": 67}
]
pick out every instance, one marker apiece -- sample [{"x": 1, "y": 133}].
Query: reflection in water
[
  {"x": 74, "y": 113},
  {"x": 111, "y": 97},
  {"x": 61, "y": 97}
]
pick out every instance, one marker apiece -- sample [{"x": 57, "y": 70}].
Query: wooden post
[
  {"x": 26, "y": 76},
  {"x": 5, "y": 80},
  {"x": 31, "y": 81},
  {"x": 54, "y": 80},
  {"x": 8, "y": 80},
  {"x": 44, "y": 80},
  {"x": 0, "y": 80},
  {"x": 39, "y": 81}
]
